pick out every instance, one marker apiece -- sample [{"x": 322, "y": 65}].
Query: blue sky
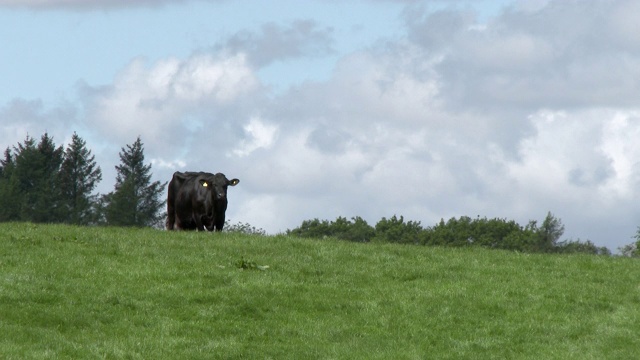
[
  {"x": 426, "y": 109},
  {"x": 92, "y": 46},
  {"x": 65, "y": 45}
]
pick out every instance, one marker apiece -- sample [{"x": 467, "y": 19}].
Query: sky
[{"x": 373, "y": 108}]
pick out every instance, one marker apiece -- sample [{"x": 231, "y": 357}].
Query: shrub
[{"x": 243, "y": 228}]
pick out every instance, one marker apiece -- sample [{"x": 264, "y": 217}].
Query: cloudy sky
[{"x": 426, "y": 109}]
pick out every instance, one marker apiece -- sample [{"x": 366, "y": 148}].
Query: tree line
[
  {"x": 44, "y": 183},
  {"x": 464, "y": 231}
]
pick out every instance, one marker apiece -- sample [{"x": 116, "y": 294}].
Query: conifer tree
[
  {"x": 45, "y": 199},
  {"x": 26, "y": 170},
  {"x": 78, "y": 177},
  {"x": 8, "y": 189},
  {"x": 33, "y": 190},
  {"x": 6, "y": 164},
  {"x": 135, "y": 200}
]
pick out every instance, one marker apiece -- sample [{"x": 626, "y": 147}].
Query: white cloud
[
  {"x": 556, "y": 54},
  {"x": 203, "y": 77},
  {"x": 581, "y": 156},
  {"x": 164, "y": 103},
  {"x": 261, "y": 135},
  {"x": 582, "y": 166},
  {"x": 302, "y": 38},
  {"x": 620, "y": 134},
  {"x": 169, "y": 165},
  {"x": 563, "y": 158},
  {"x": 22, "y": 118}
]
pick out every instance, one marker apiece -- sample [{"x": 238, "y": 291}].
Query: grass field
[{"x": 86, "y": 293}]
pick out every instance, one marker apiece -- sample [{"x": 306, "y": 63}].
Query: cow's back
[{"x": 179, "y": 191}]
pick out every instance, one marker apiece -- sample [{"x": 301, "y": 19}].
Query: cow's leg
[
  {"x": 171, "y": 213},
  {"x": 199, "y": 224},
  {"x": 177, "y": 225},
  {"x": 219, "y": 222},
  {"x": 210, "y": 226}
]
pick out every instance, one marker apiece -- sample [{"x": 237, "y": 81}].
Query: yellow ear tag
[{"x": 204, "y": 184}]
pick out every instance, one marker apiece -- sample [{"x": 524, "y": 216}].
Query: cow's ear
[
  {"x": 203, "y": 183},
  {"x": 234, "y": 182}
]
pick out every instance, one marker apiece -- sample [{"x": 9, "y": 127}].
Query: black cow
[{"x": 197, "y": 200}]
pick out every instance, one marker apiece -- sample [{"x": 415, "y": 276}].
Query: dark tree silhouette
[
  {"x": 78, "y": 177},
  {"x": 136, "y": 201}
]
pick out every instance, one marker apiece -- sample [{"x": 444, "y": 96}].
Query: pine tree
[
  {"x": 33, "y": 181},
  {"x": 78, "y": 177},
  {"x": 6, "y": 164},
  {"x": 8, "y": 189},
  {"x": 45, "y": 199},
  {"x": 135, "y": 200},
  {"x": 26, "y": 170},
  {"x": 32, "y": 189}
]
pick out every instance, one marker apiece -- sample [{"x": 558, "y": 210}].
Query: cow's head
[{"x": 218, "y": 184}]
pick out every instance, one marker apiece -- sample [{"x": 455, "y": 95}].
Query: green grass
[{"x": 85, "y": 293}]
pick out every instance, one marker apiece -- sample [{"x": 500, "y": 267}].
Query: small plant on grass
[{"x": 245, "y": 264}]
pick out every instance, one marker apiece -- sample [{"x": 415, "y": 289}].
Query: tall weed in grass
[{"x": 78, "y": 292}]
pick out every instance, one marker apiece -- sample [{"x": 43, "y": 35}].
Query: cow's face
[{"x": 217, "y": 185}]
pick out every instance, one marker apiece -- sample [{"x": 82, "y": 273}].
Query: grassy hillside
[{"x": 69, "y": 292}]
